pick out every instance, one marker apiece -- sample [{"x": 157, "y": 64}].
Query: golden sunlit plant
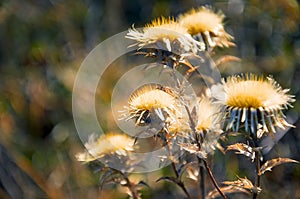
[
  {"x": 203, "y": 139},
  {"x": 109, "y": 144},
  {"x": 111, "y": 149},
  {"x": 151, "y": 100},
  {"x": 254, "y": 101},
  {"x": 207, "y": 26},
  {"x": 248, "y": 104},
  {"x": 166, "y": 34}
]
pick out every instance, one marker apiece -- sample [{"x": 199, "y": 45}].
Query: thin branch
[
  {"x": 214, "y": 180},
  {"x": 180, "y": 183},
  {"x": 128, "y": 184},
  {"x": 257, "y": 169},
  {"x": 202, "y": 181},
  {"x": 185, "y": 191}
]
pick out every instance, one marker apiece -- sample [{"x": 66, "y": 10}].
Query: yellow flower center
[
  {"x": 201, "y": 20},
  {"x": 249, "y": 93},
  {"x": 150, "y": 97},
  {"x": 164, "y": 28}
]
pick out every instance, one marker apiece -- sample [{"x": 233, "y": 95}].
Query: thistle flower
[
  {"x": 209, "y": 115},
  {"x": 152, "y": 101},
  {"x": 207, "y": 128},
  {"x": 180, "y": 125},
  {"x": 165, "y": 34},
  {"x": 111, "y": 143},
  {"x": 206, "y": 25},
  {"x": 254, "y": 101}
]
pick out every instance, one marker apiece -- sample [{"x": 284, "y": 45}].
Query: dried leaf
[
  {"x": 191, "y": 168},
  {"x": 221, "y": 148},
  {"x": 193, "y": 149},
  {"x": 242, "y": 149},
  {"x": 110, "y": 176},
  {"x": 274, "y": 162},
  {"x": 244, "y": 183},
  {"x": 193, "y": 174},
  {"x": 171, "y": 179},
  {"x": 225, "y": 59},
  {"x": 142, "y": 183},
  {"x": 226, "y": 190}
]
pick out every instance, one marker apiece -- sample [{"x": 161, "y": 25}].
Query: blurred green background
[{"x": 42, "y": 44}]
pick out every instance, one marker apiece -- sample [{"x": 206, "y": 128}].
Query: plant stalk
[
  {"x": 202, "y": 180},
  {"x": 257, "y": 169},
  {"x": 185, "y": 191},
  {"x": 214, "y": 180}
]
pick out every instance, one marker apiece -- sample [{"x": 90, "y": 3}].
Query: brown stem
[
  {"x": 180, "y": 184},
  {"x": 214, "y": 180},
  {"x": 128, "y": 183},
  {"x": 193, "y": 127},
  {"x": 202, "y": 182},
  {"x": 131, "y": 189},
  {"x": 185, "y": 190},
  {"x": 175, "y": 170},
  {"x": 170, "y": 155},
  {"x": 257, "y": 161},
  {"x": 257, "y": 181}
]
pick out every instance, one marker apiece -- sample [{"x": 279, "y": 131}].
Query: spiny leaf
[
  {"x": 193, "y": 149},
  {"x": 242, "y": 149},
  {"x": 244, "y": 183},
  {"x": 226, "y": 190},
  {"x": 274, "y": 162}
]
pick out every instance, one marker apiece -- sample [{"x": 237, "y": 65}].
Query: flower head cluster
[
  {"x": 194, "y": 31},
  {"x": 165, "y": 34},
  {"x": 206, "y": 25},
  {"x": 111, "y": 143},
  {"x": 254, "y": 101}
]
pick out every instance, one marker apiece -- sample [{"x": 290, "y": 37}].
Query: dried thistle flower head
[
  {"x": 152, "y": 100},
  {"x": 111, "y": 143},
  {"x": 208, "y": 115},
  {"x": 208, "y": 122},
  {"x": 165, "y": 34},
  {"x": 204, "y": 24},
  {"x": 180, "y": 124},
  {"x": 254, "y": 101}
]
